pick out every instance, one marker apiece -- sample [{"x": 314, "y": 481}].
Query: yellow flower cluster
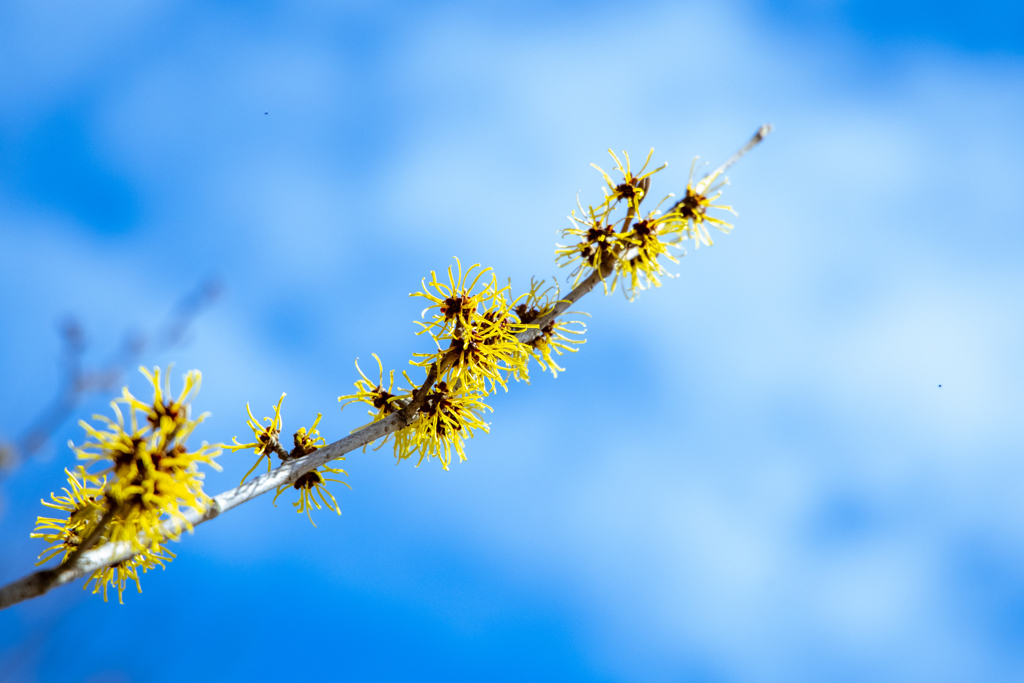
[
  {"x": 474, "y": 330},
  {"x": 266, "y": 436},
  {"x": 313, "y": 484},
  {"x": 475, "y": 325},
  {"x": 615, "y": 239},
  {"x": 383, "y": 402},
  {"x": 143, "y": 481},
  {"x": 557, "y": 335},
  {"x": 305, "y": 441},
  {"x": 83, "y": 507}
]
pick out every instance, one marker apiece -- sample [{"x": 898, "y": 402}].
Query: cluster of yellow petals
[
  {"x": 615, "y": 239},
  {"x": 380, "y": 399},
  {"x": 311, "y": 485},
  {"x": 153, "y": 476},
  {"x": 305, "y": 441},
  {"x": 633, "y": 188},
  {"x": 475, "y": 328},
  {"x": 267, "y": 437},
  {"x": 447, "y": 418},
  {"x": 556, "y": 336},
  {"x": 120, "y": 573},
  {"x": 83, "y": 506},
  {"x": 689, "y": 216},
  {"x": 474, "y": 324},
  {"x": 139, "y": 481}
]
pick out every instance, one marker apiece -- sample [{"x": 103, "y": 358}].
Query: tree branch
[{"x": 83, "y": 563}]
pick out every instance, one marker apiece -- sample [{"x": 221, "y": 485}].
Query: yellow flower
[
  {"x": 165, "y": 415},
  {"x": 307, "y": 441},
  {"x": 159, "y": 484},
  {"x": 114, "y": 445},
  {"x": 374, "y": 395},
  {"x": 120, "y": 573},
  {"x": 554, "y": 339},
  {"x": 447, "y": 418},
  {"x": 383, "y": 401},
  {"x": 267, "y": 437},
  {"x": 537, "y": 303},
  {"x": 457, "y": 302},
  {"x": 599, "y": 243},
  {"x": 690, "y": 214},
  {"x": 496, "y": 347},
  {"x": 154, "y": 475},
  {"x": 632, "y": 246},
  {"x": 485, "y": 353},
  {"x": 633, "y": 188},
  {"x": 87, "y": 506},
  {"x": 84, "y": 505},
  {"x": 482, "y": 350},
  {"x": 649, "y": 238},
  {"x": 311, "y": 485}
]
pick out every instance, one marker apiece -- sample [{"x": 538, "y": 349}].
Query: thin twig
[{"x": 760, "y": 135}]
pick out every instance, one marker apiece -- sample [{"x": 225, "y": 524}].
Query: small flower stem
[{"x": 280, "y": 451}]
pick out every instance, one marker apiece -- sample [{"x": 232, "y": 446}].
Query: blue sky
[{"x": 750, "y": 474}]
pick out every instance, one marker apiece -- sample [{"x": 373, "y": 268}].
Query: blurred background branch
[{"x": 79, "y": 381}]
